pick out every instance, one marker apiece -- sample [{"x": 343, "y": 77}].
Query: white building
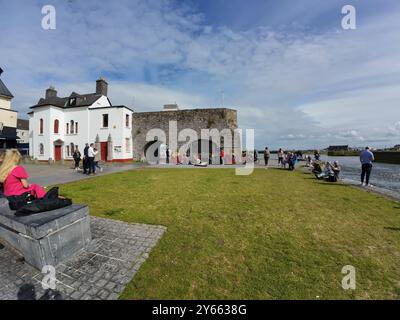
[{"x": 58, "y": 125}]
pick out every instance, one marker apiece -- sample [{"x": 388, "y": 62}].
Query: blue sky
[{"x": 288, "y": 67}]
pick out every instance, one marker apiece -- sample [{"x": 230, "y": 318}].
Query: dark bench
[{"x": 46, "y": 238}]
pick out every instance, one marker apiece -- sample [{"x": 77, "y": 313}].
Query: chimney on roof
[
  {"x": 101, "y": 86},
  {"x": 51, "y": 92}
]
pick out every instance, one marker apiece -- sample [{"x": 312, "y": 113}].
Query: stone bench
[{"x": 46, "y": 238}]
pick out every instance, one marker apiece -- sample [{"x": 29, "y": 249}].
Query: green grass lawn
[{"x": 271, "y": 235}]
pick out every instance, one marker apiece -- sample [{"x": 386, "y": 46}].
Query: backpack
[
  {"x": 17, "y": 202},
  {"x": 27, "y": 205}
]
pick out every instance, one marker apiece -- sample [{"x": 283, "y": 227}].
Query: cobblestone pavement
[{"x": 99, "y": 273}]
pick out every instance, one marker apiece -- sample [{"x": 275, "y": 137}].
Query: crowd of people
[
  {"x": 328, "y": 171},
  {"x": 285, "y": 159},
  {"x": 90, "y": 159}
]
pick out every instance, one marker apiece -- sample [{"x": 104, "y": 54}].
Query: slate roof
[
  {"x": 4, "y": 91},
  {"x": 82, "y": 100}
]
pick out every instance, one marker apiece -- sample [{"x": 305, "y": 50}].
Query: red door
[
  {"x": 57, "y": 153},
  {"x": 104, "y": 150}
]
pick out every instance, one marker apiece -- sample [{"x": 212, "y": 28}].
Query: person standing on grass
[
  {"x": 85, "y": 158},
  {"x": 255, "y": 156},
  {"x": 91, "y": 154},
  {"x": 281, "y": 155},
  {"x": 267, "y": 154},
  {"x": 77, "y": 158},
  {"x": 366, "y": 159}
]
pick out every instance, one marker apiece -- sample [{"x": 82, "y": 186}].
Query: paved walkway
[
  {"x": 46, "y": 175},
  {"x": 100, "y": 272}
]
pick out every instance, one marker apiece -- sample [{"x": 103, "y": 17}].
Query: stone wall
[
  {"x": 196, "y": 119},
  {"x": 387, "y": 157}
]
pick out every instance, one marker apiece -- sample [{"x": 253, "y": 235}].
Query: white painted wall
[{"x": 116, "y": 127}]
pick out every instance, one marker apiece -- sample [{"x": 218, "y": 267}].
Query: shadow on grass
[{"x": 392, "y": 228}]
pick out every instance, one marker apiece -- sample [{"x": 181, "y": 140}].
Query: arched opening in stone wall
[{"x": 152, "y": 151}]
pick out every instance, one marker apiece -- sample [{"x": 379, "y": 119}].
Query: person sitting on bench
[
  {"x": 14, "y": 177},
  {"x": 22, "y": 196}
]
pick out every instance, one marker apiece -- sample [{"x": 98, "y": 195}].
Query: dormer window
[{"x": 72, "y": 101}]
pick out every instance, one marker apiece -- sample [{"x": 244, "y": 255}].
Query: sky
[{"x": 289, "y": 68}]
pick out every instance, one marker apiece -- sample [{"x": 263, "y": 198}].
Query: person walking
[
  {"x": 77, "y": 158},
  {"x": 366, "y": 159},
  {"x": 97, "y": 159},
  {"x": 85, "y": 159},
  {"x": 91, "y": 154},
  {"x": 281, "y": 155},
  {"x": 255, "y": 156},
  {"x": 267, "y": 154}
]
